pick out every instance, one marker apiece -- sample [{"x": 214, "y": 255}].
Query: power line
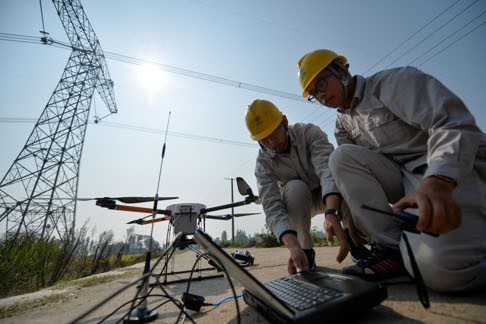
[
  {"x": 145, "y": 130},
  {"x": 423, "y": 54},
  {"x": 410, "y": 37},
  {"x": 432, "y": 33},
  {"x": 179, "y": 134},
  {"x": 450, "y": 44},
  {"x": 190, "y": 73}
]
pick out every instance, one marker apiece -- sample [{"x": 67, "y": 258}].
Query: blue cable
[{"x": 225, "y": 299}]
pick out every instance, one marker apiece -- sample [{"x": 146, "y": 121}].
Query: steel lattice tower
[{"x": 47, "y": 167}]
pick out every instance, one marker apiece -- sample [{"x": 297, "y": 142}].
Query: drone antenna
[
  {"x": 156, "y": 198},
  {"x": 142, "y": 312}
]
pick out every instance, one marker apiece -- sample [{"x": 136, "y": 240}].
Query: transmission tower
[{"x": 47, "y": 167}]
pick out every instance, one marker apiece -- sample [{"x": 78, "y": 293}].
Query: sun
[{"x": 151, "y": 78}]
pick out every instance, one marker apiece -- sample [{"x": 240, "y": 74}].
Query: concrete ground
[{"x": 402, "y": 305}]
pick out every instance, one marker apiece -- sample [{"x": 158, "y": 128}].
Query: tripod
[{"x": 186, "y": 219}]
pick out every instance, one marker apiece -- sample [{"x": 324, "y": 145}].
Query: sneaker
[
  {"x": 358, "y": 252},
  {"x": 311, "y": 258},
  {"x": 382, "y": 264}
]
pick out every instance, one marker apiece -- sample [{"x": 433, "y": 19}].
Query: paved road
[{"x": 402, "y": 306}]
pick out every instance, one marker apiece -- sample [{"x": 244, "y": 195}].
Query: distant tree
[
  {"x": 266, "y": 239},
  {"x": 224, "y": 236},
  {"x": 241, "y": 237}
]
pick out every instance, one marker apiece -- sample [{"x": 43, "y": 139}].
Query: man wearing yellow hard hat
[
  {"x": 294, "y": 182},
  {"x": 407, "y": 140}
]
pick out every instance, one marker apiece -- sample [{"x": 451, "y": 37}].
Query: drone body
[{"x": 185, "y": 217}]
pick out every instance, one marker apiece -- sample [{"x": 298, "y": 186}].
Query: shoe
[
  {"x": 382, "y": 264},
  {"x": 358, "y": 252},
  {"x": 311, "y": 258}
]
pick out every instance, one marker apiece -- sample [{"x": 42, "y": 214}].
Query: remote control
[{"x": 407, "y": 221}]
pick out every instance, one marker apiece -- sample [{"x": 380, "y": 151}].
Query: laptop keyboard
[{"x": 300, "y": 295}]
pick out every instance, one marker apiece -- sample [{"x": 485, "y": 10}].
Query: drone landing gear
[
  {"x": 188, "y": 243},
  {"x": 142, "y": 314}
]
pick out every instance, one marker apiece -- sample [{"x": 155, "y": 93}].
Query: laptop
[{"x": 302, "y": 297}]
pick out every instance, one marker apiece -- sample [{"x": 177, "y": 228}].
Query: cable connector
[{"x": 192, "y": 302}]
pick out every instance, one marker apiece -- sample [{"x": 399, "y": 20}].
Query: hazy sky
[{"x": 253, "y": 42}]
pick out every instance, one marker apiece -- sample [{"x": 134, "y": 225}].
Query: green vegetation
[
  {"x": 266, "y": 239},
  {"x": 29, "y": 263}
]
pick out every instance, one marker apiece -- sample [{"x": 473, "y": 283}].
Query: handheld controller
[{"x": 407, "y": 221}]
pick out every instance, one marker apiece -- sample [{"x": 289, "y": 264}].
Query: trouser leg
[
  {"x": 455, "y": 261},
  {"x": 298, "y": 201},
  {"x": 366, "y": 177}
]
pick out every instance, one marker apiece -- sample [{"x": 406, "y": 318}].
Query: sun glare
[{"x": 151, "y": 78}]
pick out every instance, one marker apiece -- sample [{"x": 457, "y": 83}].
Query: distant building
[{"x": 138, "y": 243}]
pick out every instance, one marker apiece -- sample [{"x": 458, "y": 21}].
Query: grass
[
  {"x": 29, "y": 263},
  {"x": 98, "y": 280},
  {"x": 6, "y": 311}
]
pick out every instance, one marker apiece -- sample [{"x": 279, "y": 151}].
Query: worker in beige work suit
[
  {"x": 407, "y": 140},
  {"x": 294, "y": 181}
]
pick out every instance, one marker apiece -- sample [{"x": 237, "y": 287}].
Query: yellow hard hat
[
  {"x": 311, "y": 64},
  {"x": 262, "y": 118}
]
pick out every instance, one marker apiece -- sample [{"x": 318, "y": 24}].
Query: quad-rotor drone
[{"x": 186, "y": 217}]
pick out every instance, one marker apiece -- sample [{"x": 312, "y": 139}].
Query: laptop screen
[{"x": 244, "y": 277}]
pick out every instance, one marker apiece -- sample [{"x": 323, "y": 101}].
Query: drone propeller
[
  {"x": 125, "y": 200},
  {"x": 141, "y": 221},
  {"x": 228, "y": 216}
]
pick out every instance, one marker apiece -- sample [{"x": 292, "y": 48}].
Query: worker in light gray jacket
[
  {"x": 294, "y": 182},
  {"x": 405, "y": 139}
]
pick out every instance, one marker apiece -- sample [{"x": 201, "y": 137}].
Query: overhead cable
[
  {"x": 432, "y": 33},
  {"x": 410, "y": 37}
]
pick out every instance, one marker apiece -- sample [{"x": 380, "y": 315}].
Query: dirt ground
[{"x": 67, "y": 303}]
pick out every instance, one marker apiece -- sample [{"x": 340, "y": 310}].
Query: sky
[{"x": 257, "y": 43}]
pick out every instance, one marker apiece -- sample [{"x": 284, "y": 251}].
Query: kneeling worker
[
  {"x": 404, "y": 138},
  {"x": 294, "y": 182}
]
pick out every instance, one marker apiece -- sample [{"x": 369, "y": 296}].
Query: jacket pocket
[{"x": 387, "y": 130}]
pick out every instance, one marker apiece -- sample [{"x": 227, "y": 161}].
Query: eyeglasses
[{"x": 321, "y": 85}]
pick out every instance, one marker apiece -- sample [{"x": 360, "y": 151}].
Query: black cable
[
  {"x": 140, "y": 279},
  {"x": 132, "y": 307},
  {"x": 419, "y": 282},
  {"x": 229, "y": 280},
  {"x": 104, "y": 301},
  {"x": 130, "y": 301},
  {"x": 159, "y": 284}
]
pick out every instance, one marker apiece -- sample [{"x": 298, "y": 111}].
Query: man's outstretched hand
[
  {"x": 297, "y": 260},
  {"x": 439, "y": 213}
]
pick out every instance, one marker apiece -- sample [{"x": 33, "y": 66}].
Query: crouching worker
[
  {"x": 405, "y": 139},
  {"x": 294, "y": 182}
]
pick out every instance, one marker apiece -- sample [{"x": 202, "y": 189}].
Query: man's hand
[
  {"x": 297, "y": 259},
  {"x": 439, "y": 213},
  {"x": 332, "y": 227}
]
